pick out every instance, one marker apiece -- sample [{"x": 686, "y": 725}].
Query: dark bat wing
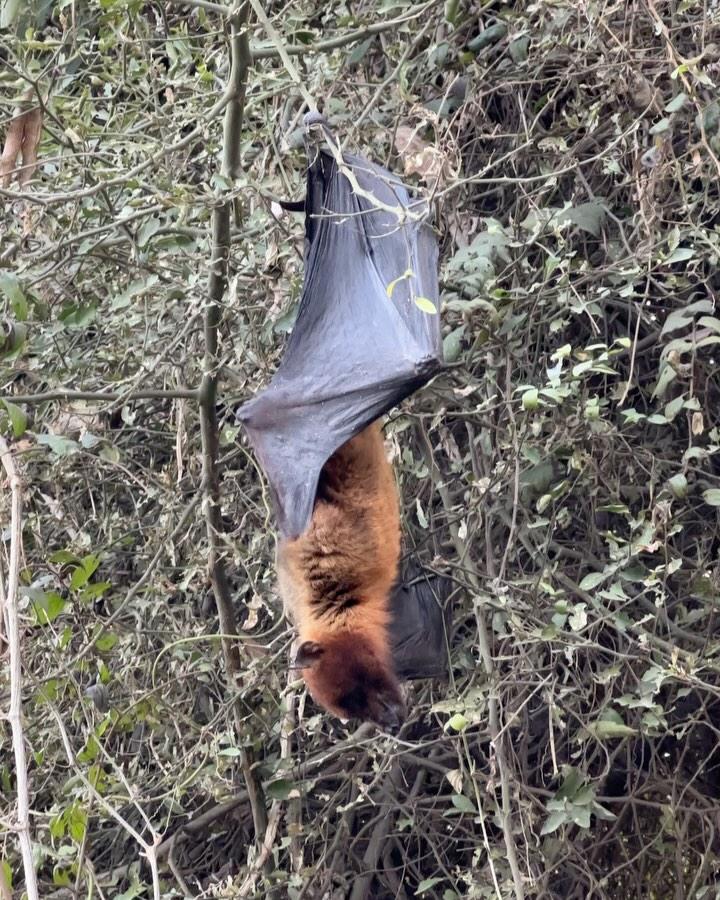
[
  {"x": 420, "y": 625},
  {"x": 365, "y": 335}
]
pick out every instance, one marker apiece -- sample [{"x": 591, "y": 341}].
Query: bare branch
[
  {"x": 102, "y": 396},
  {"x": 221, "y": 217},
  {"x": 218, "y": 8},
  {"x": 282, "y": 52},
  {"x": 9, "y": 605},
  {"x": 261, "y": 51}
]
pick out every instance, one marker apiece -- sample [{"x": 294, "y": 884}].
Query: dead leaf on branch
[
  {"x": 21, "y": 142},
  {"x": 419, "y": 157}
]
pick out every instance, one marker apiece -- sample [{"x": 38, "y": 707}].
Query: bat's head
[{"x": 347, "y": 677}]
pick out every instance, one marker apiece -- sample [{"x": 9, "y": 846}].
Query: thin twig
[
  {"x": 9, "y": 605},
  {"x": 101, "y": 396},
  {"x": 342, "y": 40},
  {"x": 149, "y": 849},
  {"x": 208, "y": 5},
  {"x": 282, "y": 52},
  {"x": 485, "y": 647}
]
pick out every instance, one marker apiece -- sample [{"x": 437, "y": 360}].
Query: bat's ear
[{"x": 309, "y": 652}]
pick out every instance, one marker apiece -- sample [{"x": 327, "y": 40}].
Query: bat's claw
[{"x": 313, "y": 118}]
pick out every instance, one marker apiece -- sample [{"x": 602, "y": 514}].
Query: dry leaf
[
  {"x": 418, "y": 156},
  {"x": 74, "y": 422},
  {"x": 21, "y": 140},
  {"x": 698, "y": 426},
  {"x": 642, "y": 94},
  {"x": 454, "y": 776}
]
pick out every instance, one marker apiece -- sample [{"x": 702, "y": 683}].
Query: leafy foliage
[{"x": 563, "y": 472}]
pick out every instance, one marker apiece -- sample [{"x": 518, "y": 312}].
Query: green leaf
[
  {"x": 94, "y": 590},
  {"x": 60, "y": 446},
  {"x": 148, "y": 228},
  {"x": 712, "y": 497},
  {"x": 63, "y": 557},
  {"x": 8, "y": 12},
  {"x": 556, "y": 818},
  {"x": 610, "y": 725},
  {"x": 489, "y": 36},
  {"x": 106, "y": 641},
  {"x": 452, "y": 344},
  {"x": 530, "y": 399},
  {"x": 601, "y": 812},
  {"x": 422, "y": 519},
  {"x": 359, "y": 51},
  {"x": 57, "y": 826},
  {"x": 578, "y": 620},
  {"x": 90, "y": 751},
  {"x": 678, "y": 484},
  {"x": 47, "y": 607},
  {"x": 83, "y": 572},
  {"x": 675, "y": 320},
  {"x": 427, "y": 306},
  {"x": 10, "y": 287},
  {"x": 427, "y": 884},
  {"x": 452, "y": 9},
  {"x": 77, "y": 822},
  {"x": 581, "y": 816},
  {"x": 280, "y": 789},
  {"x": 660, "y": 127},
  {"x": 673, "y": 407},
  {"x": 17, "y": 417},
  {"x": 676, "y": 103},
  {"x": 408, "y": 273},
  {"x": 667, "y": 376},
  {"x": 136, "y": 889},
  {"x": 681, "y": 254},
  {"x": 592, "y": 580},
  {"x": 519, "y": 48},
  {"x": 7, "y": 872},
  {"x": 458, "y": 722},
  {"x": 587, "y": 216},
  {"x": 463, "y": 803},
  {"x": 632, "y": 416},
  {"x": 74, "y": 316},
  {"x": 709, "y": 322},
  {"x": 62, "y": 877},
  {"x": 110, "y": 454}
]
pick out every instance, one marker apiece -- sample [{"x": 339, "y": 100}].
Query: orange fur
[{"x": 336, "y": 580}]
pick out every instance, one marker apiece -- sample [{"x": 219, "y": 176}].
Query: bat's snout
[{"x": 391, "y": 717}]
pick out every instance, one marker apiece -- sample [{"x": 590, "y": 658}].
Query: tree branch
[
  {"x": 281, "y": 50},
  {"x": 100, "y": 396},
  {"x": 218, "y": 8},
  {"x": 271, "y": 51},
  {"x": 8, "y": 604},
  {"x": 217, "y": 282},
  {"x": 485, "y": 647}
]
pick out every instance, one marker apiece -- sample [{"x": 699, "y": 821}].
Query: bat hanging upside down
[{"x": 336, "y": 580}]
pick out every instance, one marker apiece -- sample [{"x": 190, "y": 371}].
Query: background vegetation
[{"x": 563, "y": 472}]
